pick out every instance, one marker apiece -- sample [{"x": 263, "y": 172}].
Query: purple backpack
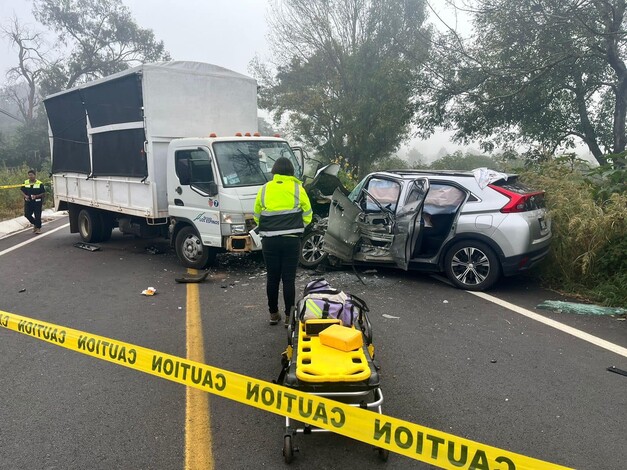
[{"x": 320, "y": 300}]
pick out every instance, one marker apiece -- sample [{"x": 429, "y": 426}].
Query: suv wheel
[
  {"x": 311, "y": 253},
  {"x": 472, "y": 265}
]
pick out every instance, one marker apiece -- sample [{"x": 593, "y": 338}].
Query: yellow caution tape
[
  {"x": 9, "y": 186},
  {"x": 412, "y": 440}
]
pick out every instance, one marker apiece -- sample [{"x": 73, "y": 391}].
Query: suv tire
[
  {"x": 311, "y": 253},
  {"x": 472, "y": 265}
]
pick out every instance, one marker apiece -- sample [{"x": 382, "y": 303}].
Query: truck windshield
[{"x": 248, "y": 163}]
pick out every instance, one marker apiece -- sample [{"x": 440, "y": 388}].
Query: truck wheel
[
  {"x": 90, "y": 226},
  {"x": 190, "y": 250}
]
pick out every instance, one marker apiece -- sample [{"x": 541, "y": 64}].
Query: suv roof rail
[
  {"x": 431, "y": 172},
  {"x": 466, "y": 173}
]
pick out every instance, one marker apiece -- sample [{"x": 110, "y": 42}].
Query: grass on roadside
[
  {"x": 589, "y": 249},
  {"x": 11, "y": 200}
]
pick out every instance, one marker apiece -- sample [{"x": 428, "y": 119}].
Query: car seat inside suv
[{"x": 440, "y": 209}]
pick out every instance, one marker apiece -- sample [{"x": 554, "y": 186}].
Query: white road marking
[
  {"x": 554, "y": 324},
  {"x": 34, "y": 239}
]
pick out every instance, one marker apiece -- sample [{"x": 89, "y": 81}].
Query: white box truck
[{"x": 166, "y": 149}]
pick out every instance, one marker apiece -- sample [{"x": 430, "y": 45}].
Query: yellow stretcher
[{"x": 322, "y": 364}]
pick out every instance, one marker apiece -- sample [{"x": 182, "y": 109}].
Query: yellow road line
[{"x": 198, "y": 451}]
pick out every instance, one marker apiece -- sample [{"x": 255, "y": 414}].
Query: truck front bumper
[{"x": 242, "y": 243}]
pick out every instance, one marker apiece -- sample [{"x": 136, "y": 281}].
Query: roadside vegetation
[
  {"x": 11, "y": 201},
  {"x": 589, "y": 216}
]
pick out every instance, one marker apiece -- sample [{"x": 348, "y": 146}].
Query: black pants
[
  {"x": 32, "y": 211},
  {"x": 281, "y": 257}
]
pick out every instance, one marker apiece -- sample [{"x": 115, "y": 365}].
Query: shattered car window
[{"x": 385, "y": 191}]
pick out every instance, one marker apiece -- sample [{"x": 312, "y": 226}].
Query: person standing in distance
[
  {"x": 282, "y": 211},
  {"x": 34, "y": 192}
]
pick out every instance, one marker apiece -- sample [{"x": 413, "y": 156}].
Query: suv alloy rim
[{"x": 471, "y": 266}]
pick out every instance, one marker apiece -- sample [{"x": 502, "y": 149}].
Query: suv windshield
[{"x": 248, "y": 163}]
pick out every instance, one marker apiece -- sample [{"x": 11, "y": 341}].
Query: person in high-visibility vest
[
  {"x": 34, "y": 192},
  {"x": 282, "y": 211}
]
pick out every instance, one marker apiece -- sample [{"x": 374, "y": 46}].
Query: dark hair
[
  {"x": 32, "y": 171},
  {"x": 282, "y": 166}
]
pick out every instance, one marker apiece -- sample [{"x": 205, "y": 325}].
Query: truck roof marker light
[
  {"x": 277, "y": 135},
  {"x": 238, "y": 134},
  {"x": 257, "y": 134},
  {"x": 247, "y": 134},
  {"x": 213, "y": 134}
]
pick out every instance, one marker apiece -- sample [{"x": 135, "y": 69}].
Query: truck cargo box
[{"x": 109, "y": 137}]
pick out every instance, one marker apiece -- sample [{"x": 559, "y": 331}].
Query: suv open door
[
  {"x": 408, "y": 226},
  {"x": 375, "y": 230}
]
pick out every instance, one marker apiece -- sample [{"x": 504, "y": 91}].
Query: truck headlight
[
  {"x": 232, "y": 218},
  {"x": 238, "y": 229}
]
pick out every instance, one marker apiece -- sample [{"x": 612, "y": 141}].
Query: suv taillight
[{"x": 520, "y": 202}]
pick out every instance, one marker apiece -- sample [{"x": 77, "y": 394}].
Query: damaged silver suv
[{"x": 475, "y": 226}]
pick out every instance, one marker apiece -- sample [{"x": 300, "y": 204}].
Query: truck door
[
  {"x": 196, "y": 196},
  {"x": 301, "y": 157}
]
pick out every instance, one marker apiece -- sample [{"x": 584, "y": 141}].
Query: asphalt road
[{"x": 450, "y": 361}]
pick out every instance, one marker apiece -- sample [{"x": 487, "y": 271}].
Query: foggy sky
[{"x": 228, "y": 33}]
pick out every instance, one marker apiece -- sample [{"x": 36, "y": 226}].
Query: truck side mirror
[{"x": 213, "y": 189}]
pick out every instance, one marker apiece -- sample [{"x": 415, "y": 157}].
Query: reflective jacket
[
  {"x": 34, "y": 189},
  {"x": 282, "y": 207}
]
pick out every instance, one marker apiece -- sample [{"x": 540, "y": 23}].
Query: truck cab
[{"x": 211, "y": 188}]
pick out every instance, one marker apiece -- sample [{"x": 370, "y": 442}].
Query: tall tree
[
  {"x": 95, "y": 38},
  {"x": 346, "y": 73},
  {"x": 23, "y": 78},
  {"x": 101, "y": 38},
  {"x": 536, "y": 71}
]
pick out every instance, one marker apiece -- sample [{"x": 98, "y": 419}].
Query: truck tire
[
  {"x": 90, "y": 226},
  {"x": 190, "y": 250}
]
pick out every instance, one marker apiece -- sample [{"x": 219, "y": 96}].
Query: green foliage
[
  {"x": 11, "y": 200},
  {"x": 589, "y": 249},
  {"x": 102, "y": 37},
  {"x": 390, "y": 163},
  {"x": 347, "y": 174},
  {"x": 29, "y": 145},
  {"x": 469, "y": 161},
  {"x": 548, "y": 72},
  {"x": 346, "y": 75},
  {"x": 607, "y": 180}
]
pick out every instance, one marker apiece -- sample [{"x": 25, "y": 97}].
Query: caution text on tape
[{"x": 412, "y": 440}]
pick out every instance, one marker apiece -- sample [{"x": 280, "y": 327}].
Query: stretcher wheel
[
  {"x": 288, "y": 448},
  {"x": 383, "y": 454}
]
